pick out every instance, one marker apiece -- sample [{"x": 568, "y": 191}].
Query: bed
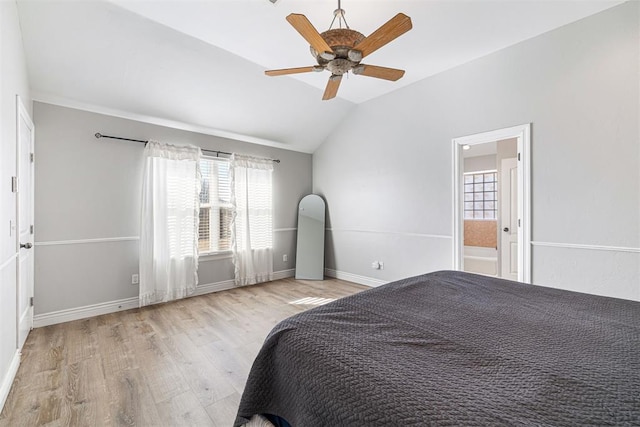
[{"x": 452, "y": 348}]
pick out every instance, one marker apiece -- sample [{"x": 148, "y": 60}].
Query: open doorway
[{"x": 491, "y": 203}]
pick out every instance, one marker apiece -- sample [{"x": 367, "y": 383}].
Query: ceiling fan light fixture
[
  {"x": 341, "y": 41},
  {"x": 358, "y": 69},
  {"x": 340, "y": 50},
  {"x": 327, "y": 56},
  {"x": 354, "y": 55}
]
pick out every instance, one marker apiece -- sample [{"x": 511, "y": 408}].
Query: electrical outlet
[
  {"x": 375, "y": 265},
  {"x": 285, "y": 258},
  {"x": 135, "y": 279}
]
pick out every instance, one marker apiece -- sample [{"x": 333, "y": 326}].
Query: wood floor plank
[
  {"x": 82, "y": 398},
  {"x": 122, "y": 389},
  {"x": 223, "y": 412},
  {"x": 161, "y": 325},
  {"x": 82, "y": 340},
  {"x": 208, "y": 383},
  {"x": 173, "y": 364},
  {"x": 115, "y": 348},
  {"x": 224, "y": 358},
  {"x": 49, "y": 408},
  {"x": 184, "y": 410},
  {"x": 165, "y": 381}
]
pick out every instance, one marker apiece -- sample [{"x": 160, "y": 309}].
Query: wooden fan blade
[
  {"x": 309, "y": 32},
  {"x": 286, "y": 71},
  {"x": 392, "y": 29},
  {"x": 385, "y": 73},
  {"x": 332, "y": 87}
]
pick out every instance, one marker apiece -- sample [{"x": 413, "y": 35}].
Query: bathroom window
[{"x": 481, "y": 195}]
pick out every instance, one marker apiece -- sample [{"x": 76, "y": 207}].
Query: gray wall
[
  {"x": 387, "y": 178},
  {"x": 480, "y": 163},
  {"x": 91, "y": 189},
  {"x": 13, "y": 82}
]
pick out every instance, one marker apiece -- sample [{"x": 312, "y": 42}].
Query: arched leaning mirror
[{"x": 310, "y": 247}]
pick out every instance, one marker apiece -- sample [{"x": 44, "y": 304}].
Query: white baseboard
[
  {"x": 78, "y": 313},
  {"x": 93, "y": 310},
  {"x": 208, "y": 288},
  {"x": 7, "y": 381},
  {"x": 283, "y": 274},
  {"x": 349, "y": 277}
]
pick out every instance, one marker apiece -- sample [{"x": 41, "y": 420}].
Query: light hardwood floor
[{"x": 183, "y": 363}]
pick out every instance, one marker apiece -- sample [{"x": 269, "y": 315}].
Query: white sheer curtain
[
  {"x": 169, "y": 222},
  {"x": 252, "y": 225}
]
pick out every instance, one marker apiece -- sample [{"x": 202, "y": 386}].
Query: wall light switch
[{"x": 375, "y": 265}]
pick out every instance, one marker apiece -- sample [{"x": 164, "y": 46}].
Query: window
[
  {"x": 214, "y": 232},
  {"x": 480, "y": 195}
]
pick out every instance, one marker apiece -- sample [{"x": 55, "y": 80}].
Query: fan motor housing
[{"x": 342, "y": 42}]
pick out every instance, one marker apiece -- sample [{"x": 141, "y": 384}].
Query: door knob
[
  {"x": 27, "y": 245},
  {"x": 506, "y": 229}
]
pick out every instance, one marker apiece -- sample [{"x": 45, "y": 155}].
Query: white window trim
[{"x": 214, "y": 256}]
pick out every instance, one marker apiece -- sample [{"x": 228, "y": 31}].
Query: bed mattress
[{"x": 452, "y": 348}]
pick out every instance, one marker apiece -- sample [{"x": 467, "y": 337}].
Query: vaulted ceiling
[{"x": 201, "y": 63}]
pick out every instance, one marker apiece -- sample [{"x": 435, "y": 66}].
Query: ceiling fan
[{"x": 340, "y": 50}]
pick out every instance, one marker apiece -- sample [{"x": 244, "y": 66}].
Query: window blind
[{"x": 214, "y": 231}]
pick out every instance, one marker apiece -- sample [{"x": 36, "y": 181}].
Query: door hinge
[
  {"x": 31, "y": 157},
  {"x": 31, "y": 301},
  {"x": 519, "y": 222},
  {"x": 31, "y": 229},
  {"x": 518, "y": 156},
  {"x": 14, "y": 184}
]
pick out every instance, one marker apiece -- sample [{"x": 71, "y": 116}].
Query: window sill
[{"x": 213, "y": 256}]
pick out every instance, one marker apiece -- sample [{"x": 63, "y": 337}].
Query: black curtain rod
[{"x": 99, "y": 135}]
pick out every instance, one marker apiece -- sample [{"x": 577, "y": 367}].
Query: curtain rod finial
[{"x": 98, "y": 135}]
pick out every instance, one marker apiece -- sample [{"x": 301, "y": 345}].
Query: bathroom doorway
[{"x": 491, "y": 203}]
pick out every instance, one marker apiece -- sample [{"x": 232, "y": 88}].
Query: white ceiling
[{"x": 202, "y": 63}]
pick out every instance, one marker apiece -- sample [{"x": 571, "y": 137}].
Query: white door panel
[
  {"x": 25, "y": 222},
  {"x": 509, "y": 219},
  {"x": 513, "y": 260}
]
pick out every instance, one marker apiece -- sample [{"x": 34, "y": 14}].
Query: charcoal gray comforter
[{"x": 452, "y": 348}]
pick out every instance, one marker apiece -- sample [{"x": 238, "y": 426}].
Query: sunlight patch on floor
[{"x": 312, "y": 301}]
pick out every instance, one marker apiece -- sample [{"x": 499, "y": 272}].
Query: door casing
[{"x": 522, "y": 133}]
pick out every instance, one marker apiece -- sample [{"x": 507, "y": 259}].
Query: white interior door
[
  {"x": 509, "y": 219},
  {"x": 25, "y": 132}
]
